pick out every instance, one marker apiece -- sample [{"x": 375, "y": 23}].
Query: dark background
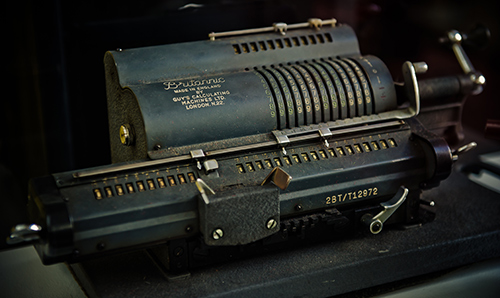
[{"x": 53, "y": 114}]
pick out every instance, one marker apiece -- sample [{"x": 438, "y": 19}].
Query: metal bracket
[
  {"x": 324, "y": 133},
  {"x": 317, "y": 23},
  {"x": 197, "y": 155},
  {"x": 209, "y": 165},
  {"x": 238, "y": 215},
  {"x": 282, "y": 140},
  {"x": 281, "y": 27}
]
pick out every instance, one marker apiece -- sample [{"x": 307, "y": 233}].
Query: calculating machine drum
[{"x": 221, "y": 92}]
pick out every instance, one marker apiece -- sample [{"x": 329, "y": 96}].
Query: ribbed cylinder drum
[{"x": 193, "y": 93}]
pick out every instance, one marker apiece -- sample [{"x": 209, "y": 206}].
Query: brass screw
[
  {"x": 217, "y": 234},
  {"x": 271, "y": 224},
  {"x": 126, "y": 135}
]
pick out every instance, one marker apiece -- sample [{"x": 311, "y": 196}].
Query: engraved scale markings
[
  {"x": 295, "y": 93},
  {"x": 311, "y": 92},
  {"x": 342, "y": 102},
  {"x": 277, "y": 98},
  {"x": 267, "y": 91},
  {"x": 364, "y": 84},
  {"x": 325, "y": 102},
  {"x": 332, "y": 95},
  {"x": 289, "y": 105},
  {"x": 306, "y": 99},
  {"x": 316, "y": 105},
  {"x": 358, "y": 94},
  {"x": 351, "y": 111}
]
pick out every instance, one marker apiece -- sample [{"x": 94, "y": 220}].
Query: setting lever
[
  {"x": 377, "y": 222},
  {"x": 456, "y": 153},
  {"x": 24, "y": 233}
]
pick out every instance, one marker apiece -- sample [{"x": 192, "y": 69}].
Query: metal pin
[
  {"x": 420, "y": 67},
  {"x": 427, "y": 203},
  {"x": 480, "y": 80}
]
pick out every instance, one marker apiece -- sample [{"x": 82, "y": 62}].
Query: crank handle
[{"x": 376, "y": 223}]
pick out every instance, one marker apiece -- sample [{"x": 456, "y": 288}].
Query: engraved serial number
[{"x": 353, "y": 195}]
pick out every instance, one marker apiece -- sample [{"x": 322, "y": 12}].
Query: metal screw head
[
  {"x": 178, "y": 251},
  {"x": 217, "y": 234},
  {"x": 126, "y": 135},
  {"x": 271, "y": 224}
]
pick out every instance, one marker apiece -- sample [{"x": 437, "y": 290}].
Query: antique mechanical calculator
[{"x": 249, "y": 141}]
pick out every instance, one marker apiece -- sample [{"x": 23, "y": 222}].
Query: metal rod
[
  {"x": 282, "y": 27},
  {"x": 313, "y": 134}
]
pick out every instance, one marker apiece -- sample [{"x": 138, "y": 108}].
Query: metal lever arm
[
  {"x": 375, "y": 223},
  {"x": 24, "y": 233},
  {"x": 456, "y": 38}
]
